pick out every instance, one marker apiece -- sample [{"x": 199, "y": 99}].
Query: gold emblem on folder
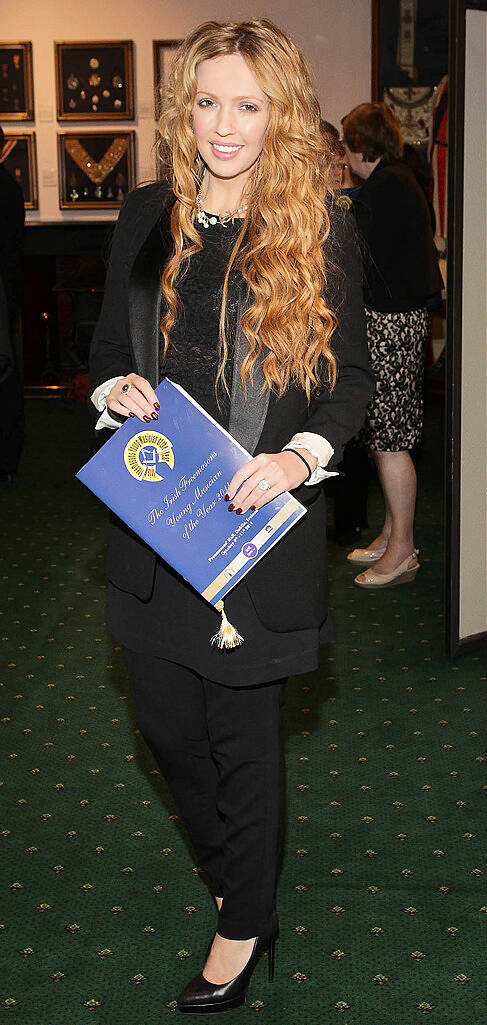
[{"x": 145, "y": 455}]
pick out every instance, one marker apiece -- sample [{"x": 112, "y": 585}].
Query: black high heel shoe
[{"x": 203, "y": 997}]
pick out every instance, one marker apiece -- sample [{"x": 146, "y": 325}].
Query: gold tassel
[{"x": 227, "y": 636}]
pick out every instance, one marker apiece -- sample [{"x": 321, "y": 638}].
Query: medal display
[
  {"x": 413, "y": 106},
  {"x": 96, "y": 169},
  {"x": 16, "y": 87},
  {"x": 94, "y": 81},
  {"x": 18, "y": 157}
]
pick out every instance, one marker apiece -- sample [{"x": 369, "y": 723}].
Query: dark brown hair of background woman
[{"x": 373, "y": 130}]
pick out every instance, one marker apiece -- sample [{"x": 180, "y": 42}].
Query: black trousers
[{"x": 221, "y": 752}]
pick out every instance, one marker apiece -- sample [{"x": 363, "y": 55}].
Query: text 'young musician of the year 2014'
[{"x": 239, "y": 279}]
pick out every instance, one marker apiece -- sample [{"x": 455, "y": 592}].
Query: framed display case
[
  {"x": 16, "y": 87},
  {"x": 163, "y": 52},
  {"x": 18, "y": 156},
  {"x": 409, "y": 60},
  {"x": 96, "y": 169},
  {"x": 94, "y": 81}
]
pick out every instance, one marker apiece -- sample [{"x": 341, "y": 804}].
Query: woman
[
  {"x": 402, "y": 279},
  {"x": 332, "y": 140},
  {"x": 224, "y": 278}
]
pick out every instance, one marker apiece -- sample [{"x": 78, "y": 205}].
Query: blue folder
[{"x": 168, "y": 481}]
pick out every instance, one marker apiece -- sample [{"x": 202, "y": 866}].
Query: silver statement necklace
[{"x": 206, "y": 219}]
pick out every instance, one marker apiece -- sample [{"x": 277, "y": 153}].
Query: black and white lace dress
[{"x": 396, "y": 348}]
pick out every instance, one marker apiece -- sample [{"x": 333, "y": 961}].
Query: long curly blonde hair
[{"x": 279, "y": 250}]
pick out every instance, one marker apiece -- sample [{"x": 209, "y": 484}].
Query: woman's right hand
[{"x": 133, "y": 396}]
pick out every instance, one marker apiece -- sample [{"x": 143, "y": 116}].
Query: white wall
[
  {"x": 335, "y": 37},
  {"x": 473, "y": 454}
]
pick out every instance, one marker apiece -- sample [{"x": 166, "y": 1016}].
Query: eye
[
  {"x": 250, "y": 107},
  {"x": 206, "y": 102}
]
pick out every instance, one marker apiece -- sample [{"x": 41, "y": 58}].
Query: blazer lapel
[
  {"x": 248, "y": 410},
  {"x": 145, "y": 297}
]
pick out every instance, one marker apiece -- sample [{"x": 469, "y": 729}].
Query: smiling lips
[{"x": 224, "y": 152}]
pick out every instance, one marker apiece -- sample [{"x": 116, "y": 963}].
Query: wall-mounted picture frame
[
  {"x": 96, "y": 169},
  {"x": 16, "y": 83},
  {"x": 94, "y": 81},
  {"x": 163, "y": 55},
  {"x": 18, "y": 157}
]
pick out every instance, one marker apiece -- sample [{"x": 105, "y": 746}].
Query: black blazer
[
  {"x": 288, "y": 587},
  {"x": 12, "y": 216},
  {"x": 400, "y": 257}
]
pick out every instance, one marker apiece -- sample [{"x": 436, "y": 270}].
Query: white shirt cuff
[
  {"x": 99, "y": 400},
  {"x": 318, "y": 447}
]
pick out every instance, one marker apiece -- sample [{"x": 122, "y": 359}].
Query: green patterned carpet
[{"x": 103, "y": 916}]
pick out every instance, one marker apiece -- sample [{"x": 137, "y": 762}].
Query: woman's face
[
  {"x": 356, "y": 162},
  {"x": 337, "y": 171},
  {"x": 230, "y": 116}
]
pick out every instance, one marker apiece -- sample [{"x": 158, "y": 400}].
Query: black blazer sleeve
[
  {"x": 339, "y": 414},
  {"x": 111, "y": 352},
  {"x": 400, "y": 257}
]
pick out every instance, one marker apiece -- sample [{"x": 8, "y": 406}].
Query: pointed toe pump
[{"x": 203, "y": 997}]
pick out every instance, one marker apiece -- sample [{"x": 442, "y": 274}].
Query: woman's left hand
[{"x": 284, "y": 471}]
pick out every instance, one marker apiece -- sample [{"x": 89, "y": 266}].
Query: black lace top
[{"x": 193, "y": 358}]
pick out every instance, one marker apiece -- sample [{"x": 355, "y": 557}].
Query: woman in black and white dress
[{"x": 402, "y": 281}]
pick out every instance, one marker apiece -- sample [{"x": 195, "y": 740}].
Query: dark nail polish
[
  {"x": 156, "y": 405},
  {"x": 238, "y": 511},
  {"x": 146, "y": 419},
  {"x": 131, "y": 414},
  {"x": 231, "y": 508},
  {"x": 154, "y": 416},
  {"x": 253, "y": 508},
  {"x": 227, "y": 498}
]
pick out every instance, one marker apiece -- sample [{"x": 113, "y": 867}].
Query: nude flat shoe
[
  {"x": 364, "y": 556},
  {"x": 403, "y": 574}
]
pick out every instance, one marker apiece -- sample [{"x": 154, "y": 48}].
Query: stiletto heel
[
  {"x": 272, "y": 957},
  {"x": 203, "y": 997}
]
